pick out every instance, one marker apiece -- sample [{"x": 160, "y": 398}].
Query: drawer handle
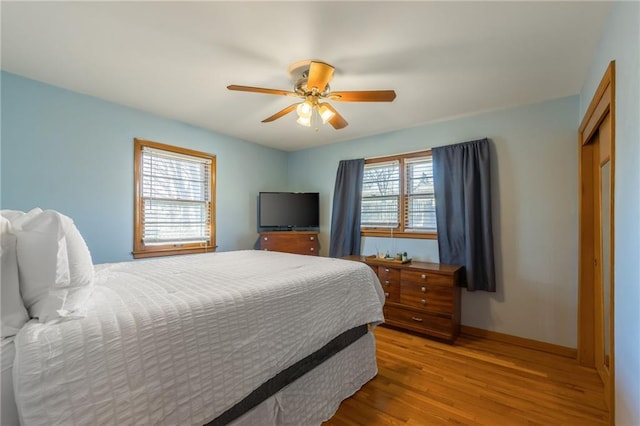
[
  {"x": 386, "y": 269},
  {"x": 423, "y": 289},
  {"x": 387, "y": 282},
  {"x": 311, "y": 249},
  {"x": 266, "y": 238},
  {"x": 416, "y": 319},
  {"x": 312, "y": 238},
  {"x": 386, "y": 295},
  {"x": 423, "y": 276},
  {"x": 423, "y": 301}
]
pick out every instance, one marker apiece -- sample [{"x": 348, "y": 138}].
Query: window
[
  {"x": 174, "y": 200},
  {"x": 397, "y": 196},
  {"x": 381, "y": 195}
]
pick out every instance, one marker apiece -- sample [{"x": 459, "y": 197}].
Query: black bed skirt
[{"x": 282, "y": 379}]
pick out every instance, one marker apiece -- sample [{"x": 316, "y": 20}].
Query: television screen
[{"x": 288, "y": 210}]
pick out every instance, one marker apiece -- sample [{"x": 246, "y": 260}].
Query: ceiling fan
[{"x": 311, "y": 83}]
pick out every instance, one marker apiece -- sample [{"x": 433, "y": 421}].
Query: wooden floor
[{"x": 474, "y": 382}]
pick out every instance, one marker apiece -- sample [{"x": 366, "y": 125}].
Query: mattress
[{"x": 179, "y": 340}]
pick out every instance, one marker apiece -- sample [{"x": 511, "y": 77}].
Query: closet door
[
  {"x": 596, "y": 279},
  {"x": 602, "y": 237}
]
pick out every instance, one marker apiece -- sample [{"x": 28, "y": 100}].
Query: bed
[{"x": 246, "y": 337}]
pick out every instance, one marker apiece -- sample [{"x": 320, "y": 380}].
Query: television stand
[{"x": 296, "y": 242}]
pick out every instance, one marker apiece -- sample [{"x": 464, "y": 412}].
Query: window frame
[
  {"x": 139, "y": 248},
  {"x": 398, "y": 232}
]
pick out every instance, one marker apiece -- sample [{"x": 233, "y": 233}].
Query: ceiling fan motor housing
[{"x": 301, "y": 88}]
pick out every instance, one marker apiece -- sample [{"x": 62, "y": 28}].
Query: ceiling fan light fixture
[
  {"x": 304, "y": 109},
  {"x": 325, "y": 113},
  {"x": 304, "y": 121}
]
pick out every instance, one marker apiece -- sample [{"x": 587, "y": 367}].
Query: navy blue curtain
[
  {"x": 345, "y": 216},
  {"x": 462, "y": 185}
]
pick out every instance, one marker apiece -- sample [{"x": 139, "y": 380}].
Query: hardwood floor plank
[{"x": 474, "y": 382}]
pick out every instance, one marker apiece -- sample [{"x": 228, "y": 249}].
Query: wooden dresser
[
  {"x": 421, "y": 297},
  {"x": 297, "y": 242}
]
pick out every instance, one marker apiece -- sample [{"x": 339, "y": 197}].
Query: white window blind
[
  {"x": 176, "y": 197},
  {"x": 398, "y": 193},
  {"x": 381, "y": 195},
  {"x": 420, "y": 206}
]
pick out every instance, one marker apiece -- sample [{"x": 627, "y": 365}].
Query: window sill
[
  {"x": 386, "y": 233},
  {"x": 171, "y": 252}
]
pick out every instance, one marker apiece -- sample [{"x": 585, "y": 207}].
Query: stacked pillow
[
  {"x": 14, "y": 315},
  {"x": 54, "y": 265}
]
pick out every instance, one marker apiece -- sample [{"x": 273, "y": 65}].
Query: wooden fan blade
[
  {"x": 281, "y": 113},
  {"x": 319, "y": 75},
  {"x": 337, "y": 121},
  {"x": 363, "y": 96},
  {"x": 261, "y": 90}
]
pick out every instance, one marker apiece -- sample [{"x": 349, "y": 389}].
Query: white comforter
[{"x": 179, "y": 340}]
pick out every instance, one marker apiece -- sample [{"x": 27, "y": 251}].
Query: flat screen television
[{"x": 288, "y": 210}]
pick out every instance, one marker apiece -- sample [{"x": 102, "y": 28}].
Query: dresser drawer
[
  {"x": 420, "y": 322},
  {"x": 390, "y": 281},
  {"x": 290, "y": 242},
  {"x": 430, "y": 298},
  {"x": 386, "y": 273},
  {"x": 422, "y": 277}
]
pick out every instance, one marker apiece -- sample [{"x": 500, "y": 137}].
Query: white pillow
[
  {"x": 11, "y": 214},
  {"x": 55, "y": 267},
  {"x": 17, "y": 217},
  {"x": 14, "y": 315}
]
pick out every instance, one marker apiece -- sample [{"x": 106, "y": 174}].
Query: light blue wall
[
  {"x": 534, "y": 177},
  {"x": 621, "y": 42},
  {"x": 74, "y": 153}
]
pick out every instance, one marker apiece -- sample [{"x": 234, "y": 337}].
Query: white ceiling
[{"x": 175, "y": 59}]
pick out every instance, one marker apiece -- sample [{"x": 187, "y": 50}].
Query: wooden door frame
[{"x": 603, "y": 103}]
